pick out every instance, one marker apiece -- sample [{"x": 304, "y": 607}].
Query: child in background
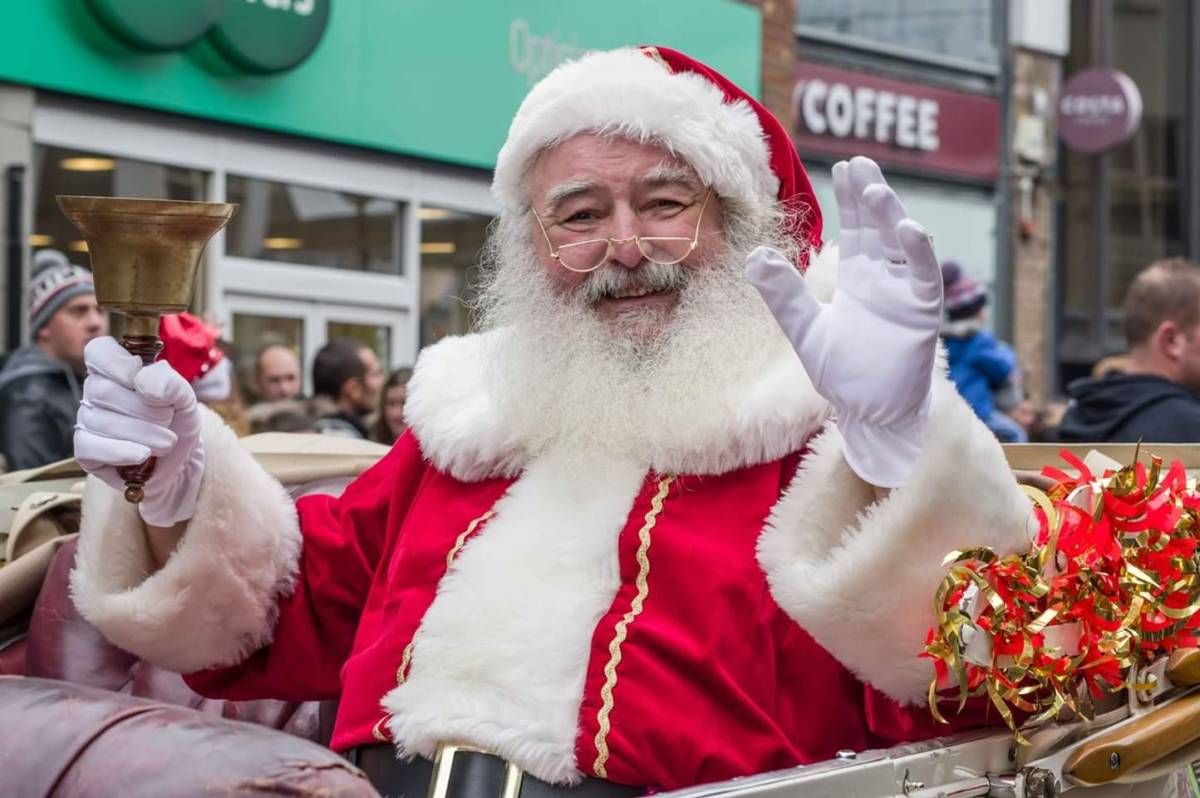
[{"x": 980, "y": 366}]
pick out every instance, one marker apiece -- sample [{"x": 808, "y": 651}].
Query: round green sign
[
  {"x": 269, "y": 35},
  {"x": 156, "y": 25}
]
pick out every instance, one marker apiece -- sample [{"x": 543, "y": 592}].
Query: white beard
[{"x": 565, "y": 380}]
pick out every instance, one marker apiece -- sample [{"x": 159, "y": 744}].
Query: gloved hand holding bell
[{"x": 144, "y": 257}]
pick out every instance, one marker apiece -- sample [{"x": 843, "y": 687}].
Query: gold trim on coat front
[
  {"x": 622, "y": 628},
  {"x": 406, "y": 656}
]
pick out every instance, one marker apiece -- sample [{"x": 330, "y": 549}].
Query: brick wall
[
  {"x": 778, "y": 54},
  {"x": 1032, "y": 214}
]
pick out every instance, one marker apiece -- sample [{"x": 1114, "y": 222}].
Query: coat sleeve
[
  {"x": 996, "y": 360},
  {"x": 32, "y": 433},
  {"x": 345, "y": 538},
  {"x": 258, "y": 584},
  {"x": 1175, "y": 418},
  {"x": 860, "y": 575}
]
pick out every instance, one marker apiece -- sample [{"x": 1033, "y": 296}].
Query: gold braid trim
[
  {"x": 622, "y": 628},
  {"x": 462, "y": 539},
  {"x": 406, "y": 657}
]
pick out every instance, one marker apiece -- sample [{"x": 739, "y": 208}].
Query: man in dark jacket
[
  {"x": 1155, "y": 399},
  {"x": 348, "y": 373},
  {"x": 40, "y": 383}
]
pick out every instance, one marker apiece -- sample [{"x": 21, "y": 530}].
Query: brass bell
[{"x": 144, "y": 255}]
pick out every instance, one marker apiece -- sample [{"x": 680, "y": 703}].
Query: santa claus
[{"x": 645, "y": 530}]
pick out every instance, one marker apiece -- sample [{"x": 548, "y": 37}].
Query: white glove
[
  {"x": 870, "y": 352},
  {"x": 129, "y": 413}
]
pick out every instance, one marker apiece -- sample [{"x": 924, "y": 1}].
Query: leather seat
[
  {"x": 84, "y": 717},
  {"x": 62, "y": 645},
  {"x": 67, "y": 740}
]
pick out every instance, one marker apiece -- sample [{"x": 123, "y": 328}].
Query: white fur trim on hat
[{"x": 627, "y": 93}]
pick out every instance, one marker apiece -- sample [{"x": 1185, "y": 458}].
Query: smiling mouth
[{"x": 634, "y": 292}]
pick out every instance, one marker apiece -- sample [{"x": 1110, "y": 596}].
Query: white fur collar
[
  {"x": 523, "y": 598},
  {"x": 456, "y": 422}
]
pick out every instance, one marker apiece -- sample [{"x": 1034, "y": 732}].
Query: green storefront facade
[{"x": 358, "y": 135}]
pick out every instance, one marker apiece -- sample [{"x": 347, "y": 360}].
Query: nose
[
  {"x": 625, "y": 253},
  {"x": 625, "y": 250},
  {"x": 96, "y": 321}
]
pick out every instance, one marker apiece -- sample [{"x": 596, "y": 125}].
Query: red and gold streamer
[{"x": 1121, "y": 573}]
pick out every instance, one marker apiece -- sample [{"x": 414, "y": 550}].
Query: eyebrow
[
  {"x": 666, "y": 173},
  {"x": 565, "y": 191}
]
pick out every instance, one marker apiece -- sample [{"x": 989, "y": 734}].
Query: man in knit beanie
[{"x": 40, "y": 383}]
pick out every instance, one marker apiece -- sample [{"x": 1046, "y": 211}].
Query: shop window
[
  {"x": 377, "y": 337},
  {"x": 252, "y": 333},
  {"x": 1124, "y": 209},
  {"x": 312, "y": 226},
  {"x": 962, "y": 29},
  {"x": 450, "y": 245},
  {"x": 1147, "y": 174},
  {"x": 61, "y": 170},
  {"x": 961, "y": 219}
]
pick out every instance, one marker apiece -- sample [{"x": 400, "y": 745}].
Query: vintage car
[{"x": 83, "y": 718}]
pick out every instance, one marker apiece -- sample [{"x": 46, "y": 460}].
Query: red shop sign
[{"x": 843, "y": 113}]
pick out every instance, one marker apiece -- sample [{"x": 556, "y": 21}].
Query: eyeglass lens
[{"x": 592, "y": 254}]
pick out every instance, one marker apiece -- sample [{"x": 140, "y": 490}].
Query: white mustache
[{"x": 609, "y": 281}]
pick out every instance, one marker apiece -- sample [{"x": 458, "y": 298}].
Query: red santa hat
[
  {"x": 658, "y": 94},
  {"x": 189, "y": 345}
]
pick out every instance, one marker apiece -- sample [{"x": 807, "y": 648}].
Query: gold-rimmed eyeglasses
[{"x": 587, "y": 256}]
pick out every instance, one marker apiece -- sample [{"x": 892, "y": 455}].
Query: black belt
[{"x": 468, "y": 773}]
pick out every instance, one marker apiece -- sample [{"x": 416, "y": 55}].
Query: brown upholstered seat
[
  {"x": 83, "y": 717},
  {"x": 62, "y": 645},
  {"x": 64, "y": 740}
]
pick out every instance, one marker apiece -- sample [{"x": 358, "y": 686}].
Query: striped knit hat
[
  {"x": 965, "y": 296},
  {"x": 54, "y": 282}
]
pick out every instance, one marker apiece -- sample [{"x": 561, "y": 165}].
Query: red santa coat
[
  {"x": 728, "y": 604},
  {"x": 693, "y": 671},
  {"x": 617, "y": 621}
]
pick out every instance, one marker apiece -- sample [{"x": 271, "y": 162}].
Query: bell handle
[{"x": 147, "y": 347}]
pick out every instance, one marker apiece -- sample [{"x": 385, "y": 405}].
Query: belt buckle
[{"x": 443, "y": 764}]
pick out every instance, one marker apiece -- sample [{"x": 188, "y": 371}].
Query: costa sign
[
  {"x": 841, "y": 112},
  {"x": 1098, "y": 109},
  {"x": 260, "y": 36}
]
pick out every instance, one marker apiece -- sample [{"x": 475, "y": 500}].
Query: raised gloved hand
[
  {"x": 129, "y": 413},
  {"x": 871, "y": 351}
]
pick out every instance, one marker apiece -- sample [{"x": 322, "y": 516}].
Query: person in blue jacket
[{"x": 980, "y": 366}]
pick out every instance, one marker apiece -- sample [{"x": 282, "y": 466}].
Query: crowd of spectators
[{"x": 40, "y": 383}]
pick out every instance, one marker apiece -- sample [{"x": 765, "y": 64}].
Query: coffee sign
[
  {"x": 862, "y": 112},
  {"x": 842, "y": 112},
  {"x": 261, "y": 36},
  {"x": 1098, "y": 109}
]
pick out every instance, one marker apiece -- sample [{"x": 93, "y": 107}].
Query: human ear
[{"x": 1170, "y": 340}]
